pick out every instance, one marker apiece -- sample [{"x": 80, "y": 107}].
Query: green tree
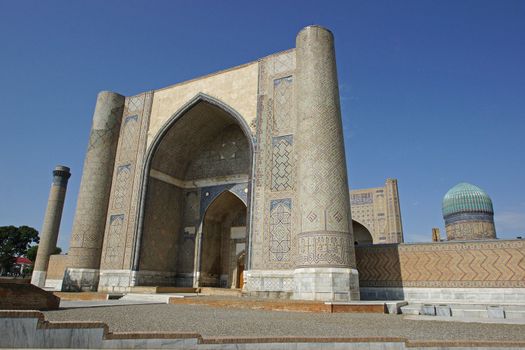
[
  {"x": 33, "y": 250},
  {"x": 14, "y": 242}
]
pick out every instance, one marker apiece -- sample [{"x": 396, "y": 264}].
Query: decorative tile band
[
  {"x": 452, "y": 218},
  {"x": 491, "y": 263},
  {"x": 324, "y": 248}
]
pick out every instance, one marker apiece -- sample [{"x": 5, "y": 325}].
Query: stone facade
[
  {"x": 485, "y": 271},
  {"x": 58, "y": 263},
  {"x": 238, "y": 179},
  {"x": 197, "y": 184},
  {"x": 475, "y": 264},
  {"x": 89, "y": 224},
  {"x": 378, "y": 210}
]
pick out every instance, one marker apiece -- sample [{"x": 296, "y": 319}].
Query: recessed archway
[
  {"x": 223, "y": 240},
  {"x": 204, "y": 148},
  {"x": 362, "y": 235}
]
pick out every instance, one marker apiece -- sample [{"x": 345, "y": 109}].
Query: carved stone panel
[
  {"x": 282, "y": 105},
  {"x": 486, "y": 264},
  {"x": 280, "y": 229},
  {"x": 324, "y": 249},
  {"x": 282, "y": 163},
  {"x": 122, "y": 186},
  {"x": 115, "y": 241}
]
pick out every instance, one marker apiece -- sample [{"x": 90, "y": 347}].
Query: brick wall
[
  {"x": 489, "y": 263},
  {"x": 57, "y": 266},
  {"x": 14, "y": 296}
]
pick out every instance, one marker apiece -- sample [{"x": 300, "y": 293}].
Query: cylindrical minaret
[
  {"x": 51, "y": 226},
  {"x": 393, "y": 210},
  {"x": 326, "y": 265},
  {"x": 90, "y": 218}
]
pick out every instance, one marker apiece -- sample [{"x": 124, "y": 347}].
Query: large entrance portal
[
  {"x": 223, "y": 242},
  {"x": 194, "y": 208}
]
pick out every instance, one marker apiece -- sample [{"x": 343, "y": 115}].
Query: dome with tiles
[{"x": 466, "y": 198}]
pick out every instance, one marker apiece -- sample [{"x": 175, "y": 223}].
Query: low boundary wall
[
  {"x": 16, "y": 296},
  {"x": 477, "y": 271},
  {"x": 23, "y": 329}
]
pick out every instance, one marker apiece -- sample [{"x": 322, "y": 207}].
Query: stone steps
[
  {"x": 466, "y": 310},
  {"x": 160, "y": 289},
  {"x": 160, "y": 298},
  {"x": 390, "y": 307},
  {"x": 28, "y": 329},
  {"x": 220, "y": 291}
]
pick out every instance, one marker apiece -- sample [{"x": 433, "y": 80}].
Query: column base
[
  {"x": 80, "y": 280},
  {"x": 38, "y": 278},
  {"x": 273, "y": 284},
  {"x": 55, "y": 285},
  {"x": 326, "y": 284}
]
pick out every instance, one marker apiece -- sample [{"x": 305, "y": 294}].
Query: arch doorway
[
  {"x": 195, "y": 164},
  {"x": 223, "y": 242},
  {"x": 362, "y": 235}
]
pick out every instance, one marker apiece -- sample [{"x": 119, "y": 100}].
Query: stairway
[{"x": 466, "y": 310}]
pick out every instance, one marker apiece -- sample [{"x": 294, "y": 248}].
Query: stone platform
[
  {"x": 291, "y": 305},
  {"x": 76, "y": 296},
  {"x": 30, "y": 329},
  {"x": 186, "y": 290},
  {"x": 508, "y": 311},
  {"x": 23, "y": 296},
  {"x": 161, "y": 289}
]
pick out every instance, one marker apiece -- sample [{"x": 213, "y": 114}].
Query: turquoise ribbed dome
[{"x": 464, "y": 198}]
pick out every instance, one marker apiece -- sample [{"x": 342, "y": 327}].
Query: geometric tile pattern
[
  {"x": 325, "y": 236},
  {"x": 282, "y": 104},
  {"x": 323, "y": 178},
  {"x": 128, "y": 137},
  {"x": 90, "y": 215},
  {"x": 282, "y": 167},
  {"x": 135, "y": 104},
  {"x": 469, "y": 230},
  {"x": 497, "y": 264},
  {"x": 137, "y": 161},
  {"x": 323, "y": 248},
  {"x": 122, "y": 188},
  {"x": 283, "y": 63},
  {"x": 361, "y": 198},
  {"x": 209, "y": 193},
  {"x": 274, "y": 173},
  {"x": 226, "y": 153},
  {"x": 117, "y": 248},
  {"x": 114, "y": 239},
  {"x": 280, "y": 229}
]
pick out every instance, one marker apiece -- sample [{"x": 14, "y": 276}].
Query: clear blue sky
[{"x": 433, "y": 92}]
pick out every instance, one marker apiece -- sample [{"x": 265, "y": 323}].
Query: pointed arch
[
  {"x": 213, "y": 256},
  {"x": 362, "y": 234},
  {"x": 154, "y": 146}
]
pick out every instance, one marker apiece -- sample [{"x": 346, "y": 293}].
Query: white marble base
[
  {"x": 114, "y": 280},
  {"x": 469, "y": 295},
  {"x": 121, "y": 280},
  {"x": 153, "y": 278},
  {"x": 53, "y": 284},
  {"x": 326, "y": 284},
  {"x": 39, "y": 278},
  {"x": 80, "y": 280},
  {"x": 269, "y": 283}
]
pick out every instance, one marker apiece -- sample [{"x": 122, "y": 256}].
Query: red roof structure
[{"x": 23, "y": 260}]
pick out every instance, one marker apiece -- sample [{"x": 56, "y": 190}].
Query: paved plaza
[{"x": 226, "y": 322}]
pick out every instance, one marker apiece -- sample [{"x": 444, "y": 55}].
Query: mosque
[
  {"x": 238, "y": 179},
  {"x": 468, "y": 213}
]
